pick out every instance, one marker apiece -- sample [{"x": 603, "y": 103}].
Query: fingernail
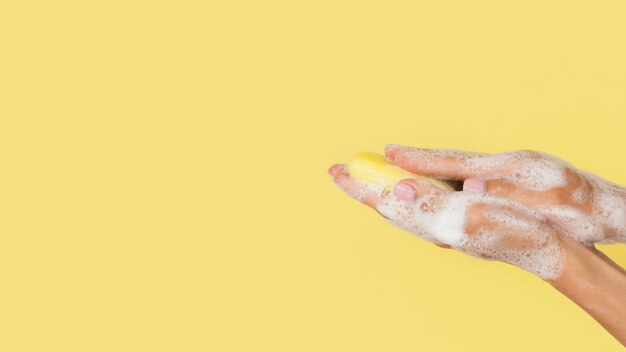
[
  {"x": 390, "y": 150},
  {"x": 474, "y": 185},
  {"x": 404, "y": 191},
  {"x": 334, "y": 169}
]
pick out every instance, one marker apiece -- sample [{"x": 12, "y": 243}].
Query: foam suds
[
  {"x": 505, "y": 230},
  {"x": 537, "y": 174},
  {"x": 533, "y": 170},
  {"x": 605, "y": 222},
  {"x": 539, "y": 171},
  {"x": 517, "y": 237},
  {"x": 608, "y": 215},
  {"x": 579, "y": 195}
]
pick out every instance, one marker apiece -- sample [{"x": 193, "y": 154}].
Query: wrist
[
  {"x": 581, "y": 264},
  {"x": 595, "y": 284}
]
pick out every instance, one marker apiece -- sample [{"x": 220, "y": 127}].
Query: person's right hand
[
  {"x": 581, "y": 205},
  {"x": 475, "y": 223}
]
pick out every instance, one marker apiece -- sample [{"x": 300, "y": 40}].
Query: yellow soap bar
[{"x": 373, "y": 168}]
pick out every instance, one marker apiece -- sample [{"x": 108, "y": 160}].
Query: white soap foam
[
  {"x": 545, "y": 258},
  {"x": 601, "y": 221},
  {"x": 605, "y": 222},
  {"x": 513, "y": 220},
  {"x": 580, "y": 194},
  {"x": 446, "y": 224},
  {"x": 574, "y": 223},
  {"x": 523, "y": 168},
  {"x": 538, "y": 171},
  {"x": 534, "y": 170},
  {"x": 609, "y": 207},
  {"x": 539, "y": 175},
  {"x": 480, "y": 163}
]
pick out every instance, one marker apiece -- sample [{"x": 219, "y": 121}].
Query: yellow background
[{"x": 163, "y": 169}]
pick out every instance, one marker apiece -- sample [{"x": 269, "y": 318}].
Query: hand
[
  {"x": 478, "y": 224},
  {"x": 514, "y": 207},
  {"x": 580, "y": 204}
]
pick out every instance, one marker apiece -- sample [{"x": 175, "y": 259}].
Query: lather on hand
[
  {"x": 583, "y": 206},
  {"x": 526, "y": 208}
]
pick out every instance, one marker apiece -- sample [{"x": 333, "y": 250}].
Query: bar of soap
[{"x": 374, "y": 169}]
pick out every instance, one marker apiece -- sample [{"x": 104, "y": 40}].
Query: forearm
[{"x": 596, "y": 284}]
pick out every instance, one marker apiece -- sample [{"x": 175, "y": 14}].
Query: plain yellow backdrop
[{"x": 163, "y": 169}]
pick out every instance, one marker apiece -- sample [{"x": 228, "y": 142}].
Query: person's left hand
[{"x": 584, "y": 206}]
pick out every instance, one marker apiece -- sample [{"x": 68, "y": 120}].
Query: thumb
[
  {"x": 475, "y": 185},
  {"x": 445, "y": 163}
]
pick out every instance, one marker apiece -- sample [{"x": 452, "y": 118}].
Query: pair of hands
[{"x": 514, "y": 206}]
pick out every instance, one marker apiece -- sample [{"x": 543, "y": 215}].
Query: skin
[
  {"x": 492, "y": 194},
  {"x": 494, "y": 174}
]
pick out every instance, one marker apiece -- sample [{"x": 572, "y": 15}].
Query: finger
[
  {"x": 336, "y": 169},
  {"x": 503, "y": 213},
  {"x": 380, "y": 199},
  {"x": 385, "y": 201},
  {"x": 560, "y": 195},
  {"x": 499, "y": 187},
  {"x": 364, "y": 193},
  {"x": 574, "y": 193},
  {"x": 516, "y": 236},
  {"x": 520, "y": 225},
  {"x": 445, "y": 163},
  {"x": 414, "y": 203},
  {"x": 424, "y": 199},
  {"x": 410, "y": 189},
  {"x": 474, "y": 185}
]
